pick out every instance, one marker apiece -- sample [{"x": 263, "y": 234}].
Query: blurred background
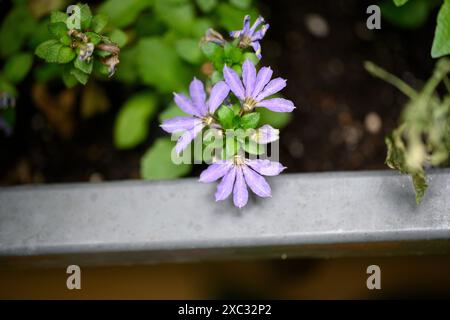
[{"x": 58, "y": 134}]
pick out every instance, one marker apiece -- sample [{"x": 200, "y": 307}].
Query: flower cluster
[{"x": 231, "y": 106}]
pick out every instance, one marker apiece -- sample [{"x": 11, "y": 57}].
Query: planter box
[{"x": 310, "y": 215}]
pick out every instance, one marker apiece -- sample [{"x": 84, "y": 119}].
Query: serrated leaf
[
  {"x": 69, "y": 79},
  {"x": 58, "y": 29},
  {"x": 79, "y": 75},
  {"x": 17, "y": 67},
  {"x": 99, "y": 22},
  {"x": 226, "y": 116},
  {"x": 66, "y": 54},
  {"x": 86, "y": 16},
  {"x": 157, "y": 163},
  {"x": 441, "y": 41},
  {"x": 132, "y": 122},
  {"x": 84, "y": 65},
  {"x": 250, "y": 120},
  {"x": 94, "y": 37},
  {"x": 58, "y": 16}
]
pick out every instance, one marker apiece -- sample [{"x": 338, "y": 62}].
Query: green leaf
[
  {"x": 58, "y": 29},
  {"x": 17, "y": 67},
  {"x": 58, "y": 16},
  {"x": 122, "y": 13},
  {"x": 127, "y": 72},
  {"x": 275, "y": 119},
  {"x": 119, "y": 37},
  {"x": 189, "y": 50},
  {"x": 420, "y": 185},
  {"x": 79, "y": 75},
  {"x": 16, "y": 27},
  {"x": 226, "y": 116},
  {"x": 212, "y": 51},
  {"x": 65, "y": 55},
  {"x": 157, "y": 163},
  {"x": 68, "y": 78},
  {"x": 171, "y": 111},
  {"x": 159, "y": 65},
  {"x": 412, "y": 15},
  {"x": 206, "y": 5},
  {"x": 441, "y": 42},
  {"x": 99, "y": 22},
  {"x": 231, "y": 17},
  {"x": 250, "y": 120},
  {"x": 245, "y": 4},
  {"x": 132, "y": 122},
  {"x": 399, "y": 3},
  {"x": 84, "y": 65},
  {"x": 178, "y": 15},
  {"x": 86, "y": 16},
  {"x": 66, "y": 40},
  {"x": 95, "y": 38}
]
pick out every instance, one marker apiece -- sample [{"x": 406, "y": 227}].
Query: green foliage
[
  {"x": 17, "y": 67},
  {"x": 157, "y": 162},
  {"x": 76, "y": 40},
  {"x": 441, "y": 42},
  {"x": 407, "y": 14},
  {"x": 132, "y": 122},
  {"x": 423, "y": 136},
  {"x": 164, "y": 70}
]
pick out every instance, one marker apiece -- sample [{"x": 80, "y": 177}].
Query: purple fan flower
[
  {"x": 239, "y": 173},
  {"x": 249, "y": 36},
  {"x": 200, "y": 109},
  {"x": 254, "y": 88}
]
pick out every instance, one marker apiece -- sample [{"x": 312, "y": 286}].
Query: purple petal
[
  {"x": 248, "y": 77},
  {"x": 236, "y": 34},
  {"x": 185, "y": 104},
  {"x": 256, "y": 183},
  {"x": 246, "y": 26},
  {"x": 256, "y": 24},
  {"x": 264, "y": 75},
  {"x": 218, "y": 93},
  {"x": 265, "y": 167},
  {"x": 272, "y": 87},
  {"x": 234, "y": 82},
  {"x": 266, "y": 134},
  {"x": 260, "y": 33},
  {"x": 225, "y": 187},
  {"x": 240, "y": 193},
  {"x": 215, "y": 171},
  {"x": 277, "y": 105},
  {"x": 198, "y": 95},
  {"x": 178, "y": 124},
  {"x": 257, "y": 48},
  {"x": 187, "y": 137}
]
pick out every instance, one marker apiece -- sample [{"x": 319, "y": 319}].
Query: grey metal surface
[{"x": 323, "y": 214}]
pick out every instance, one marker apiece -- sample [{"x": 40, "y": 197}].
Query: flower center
[
  {"x": 249, "y": 104},
  {"x": 245, "y": 42},
  {"x": 208, "y": 120},
  {"x": 238, "y": 160}
]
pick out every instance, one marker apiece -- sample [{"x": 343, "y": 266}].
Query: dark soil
[{"x": 326, "y": 80}]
